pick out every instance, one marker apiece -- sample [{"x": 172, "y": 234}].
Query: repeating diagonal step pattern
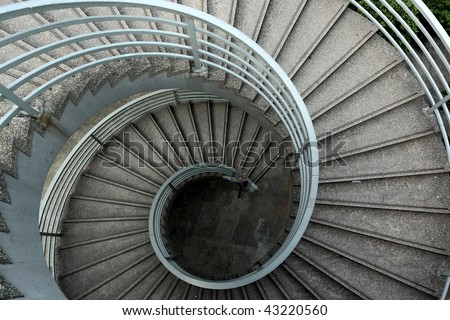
[{"x": 381, "y": 225}]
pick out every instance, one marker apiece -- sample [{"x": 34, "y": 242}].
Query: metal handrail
[
  {"x": 229, "y": 50},
  {"x": 50, "y": 212},
  {"x": 433, "y": 81}
]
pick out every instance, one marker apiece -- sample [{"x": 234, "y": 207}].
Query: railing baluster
[
  {"x": 20, "y": 105},
  {"x": 198, "y": 67}
]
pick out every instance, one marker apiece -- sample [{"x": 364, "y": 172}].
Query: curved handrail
[
  {"x": 191, "y": 39},
  {"x": 50, "y": 212},
  {"x": 434, "y": 82}
]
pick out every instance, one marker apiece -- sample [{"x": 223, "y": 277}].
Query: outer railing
[{"x": 428, "y": 61}]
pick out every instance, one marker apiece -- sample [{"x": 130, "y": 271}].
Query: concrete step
[
  {"x": 8, "y": 291},
  {"x": 320, "y": 284},
  {"x": 184, "y": 119},
  {"x": 271, "y": 289},
  {"x": 235, "y": 124},
  {"x": 287, "y": 279},
  {"x": 177, "y": 65},
  {"x": 172, "y": 150},
  {"x": 112, "y": 25},
  {"x": 138, "y": 289},
  {"x": 219, "y": 119},
  {"x": 84, "y": 209},
  {"x": 224, "y": 10},
  {"x": 415, "y": 229},
  {"x": 3, "y": 226},
  {"x": 318, "y": 62},
  {"x": 4, "y": 259},
  {"x": 371, "y": 61},
  {"x": 130, "y": 158},
  {"x": 426, "y": 193},
  {"x": 76, "y": 233},
  {"x": 72, "y": 31},
  {"x": 414, "y": 267},
  {"x": 406, "y": 158},
  {"x": 19, "y": 48},
  {"x": 92, "y": 186},
  {"x": 244, "y": 10},
  {"x": 125, "y": 177},
  {"x": 120, "y": 281},
  {"x": 254, "y": 291},
  {"x": 251, "y": 27},
  {"x": 279, "y": 20},
  {"x": 249, "y": 131},
  {"x": 71, "y": 267},
  {"x": 399, "y": 124},
  {"x": 127, "y": 266},
  {"x": 202, "y": 119},
  {"x": 157, "y": 64},
  {"x": 368, "y": 284},
  {"x": 314, "y": 23},
  {"x": 9, "y": 77},
  {"x": 383, "y": 94}
]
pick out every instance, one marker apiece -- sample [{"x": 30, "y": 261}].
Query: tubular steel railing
[
  {"x": 174, "y": 32},
  {"x": 50, "y": 212},
  {"x": 207, "y": 42},
  {"x": 431, "y": 70}
]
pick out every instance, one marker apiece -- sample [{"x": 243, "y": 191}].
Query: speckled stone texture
[
  {"x": 3, "y": 226},
  {"x": 7, "y": 290},
  {"x": 4, "y": 259}
]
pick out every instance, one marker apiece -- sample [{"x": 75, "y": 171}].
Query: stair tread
[
  {"x": 399, "y": 123},
  {"x": 315, "y": 19},
  {"x": 121, "y": 283},
  {"x": 278, "y": 21},
  {"x": 349, "y": 32},
  {"x": 99, "y": 189},
  {"x": 399, "y": 159},
  {"x": 291, "y": 285},
  {"x": 7, "y": 290},
  {"x": 326, "y": 287},
  {"x": 412, "y": 265},
  {"x": 368, "y": 283},
  {"x": 247, "y": 9},
  {"x": 368, "y": 62},
  {"x": 87, "y": 279},
  {"x": 388, "y": 91},
  {"x": 100, "y": 168},
  {"x": 428, "y": 231},
  {"x": 421, "y": 192}
]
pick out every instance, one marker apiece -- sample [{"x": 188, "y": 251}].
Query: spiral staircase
[{"x": 110, "y": 139}]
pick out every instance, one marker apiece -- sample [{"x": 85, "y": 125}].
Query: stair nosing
[
  {"x": 378, "y": 206},
  {"x": 372, "y": 267},
  {"x": 366, "y": 233},
  {"x": 361, "y": 85}
]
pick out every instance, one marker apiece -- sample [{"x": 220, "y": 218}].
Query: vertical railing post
[
  {"x": 22, "y": 105},
  {"x": 439, "y": 104},
  {"x": 198, "y": 67},
  {"x": 446, "y": 286}
]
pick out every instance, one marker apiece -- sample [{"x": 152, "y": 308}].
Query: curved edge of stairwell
[{"x": 29, "y": 273}]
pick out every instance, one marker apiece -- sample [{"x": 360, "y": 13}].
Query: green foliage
[
  {"x": 391, "y": 17},
  {"x": 441, "y": 9}
]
